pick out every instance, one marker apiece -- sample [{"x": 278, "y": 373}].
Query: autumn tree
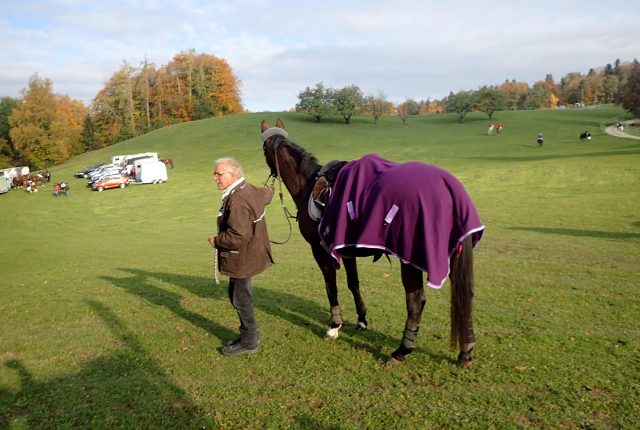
[
  {"x": 629, "y": 95},
  {"x": 375, "y": 105},
  {"x": 316, "y": 102},
  {"x": 89, "y": 135},
  {"x": 45, "y": 128},
  {"x": 490, "y": 100}
]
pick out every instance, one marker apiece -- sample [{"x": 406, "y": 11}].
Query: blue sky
[{"x": 417, "y": 49}]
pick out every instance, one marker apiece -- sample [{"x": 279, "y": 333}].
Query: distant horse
[
  {"x": 32, "y": 186},
  {"x": 37, "y": 178},
  {"x": 299, "y": 171},
  {"x": 585, "y": 135},
  {"x": 20, "y": 181},
  {"x": 167, "y": 161},
  {"x": 46, "y": 176}
]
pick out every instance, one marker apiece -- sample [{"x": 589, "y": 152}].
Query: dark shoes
[{"x": 237, "y": 347}]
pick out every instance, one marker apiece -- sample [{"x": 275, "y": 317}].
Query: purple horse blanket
[{"x": 417, "y": 212}]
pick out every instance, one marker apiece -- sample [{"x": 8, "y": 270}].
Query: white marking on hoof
[
  {"x": 361, "y": 325},
  {"x": 332, "y": 333}
]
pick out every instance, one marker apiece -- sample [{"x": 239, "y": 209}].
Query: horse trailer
[
  {"x": 5, "y": 184},
  {"x": 150, "y": 172},
  {"x": 130, "y": 160}
]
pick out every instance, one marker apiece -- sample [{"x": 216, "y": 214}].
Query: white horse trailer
[
  {"x": 150, "y": 172},
  {"x": 130, "y": 160},
  {"x": 5, "y": 184}
]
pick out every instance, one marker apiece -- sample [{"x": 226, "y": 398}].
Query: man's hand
[{"x": 212, "y": 241}]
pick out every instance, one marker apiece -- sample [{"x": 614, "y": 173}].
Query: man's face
[{"x": 222, "y": 177}]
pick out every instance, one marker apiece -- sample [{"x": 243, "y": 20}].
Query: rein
[{"x": 287, "y": 214}]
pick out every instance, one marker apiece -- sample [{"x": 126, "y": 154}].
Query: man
[{"x": 243, "y": 247}]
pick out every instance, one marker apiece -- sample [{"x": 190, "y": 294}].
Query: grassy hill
[{"x": 110, "y": 316}]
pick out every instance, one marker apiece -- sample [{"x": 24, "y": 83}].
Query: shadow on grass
[
  {"x": 581, "y": 233},
  {"x": 294, "y": 309},
  {"x": 122, "y": 390}
]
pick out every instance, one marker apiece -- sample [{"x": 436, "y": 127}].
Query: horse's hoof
[
  {"x": 466, "y": 363},
  {"x": 397, "y": 361},
  {"x": 362, "y": 326},
  {"x": 332, "y": 333}
]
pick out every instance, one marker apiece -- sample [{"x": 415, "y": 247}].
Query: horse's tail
[{"x": 461, "y": 296}]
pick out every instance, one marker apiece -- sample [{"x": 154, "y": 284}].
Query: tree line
[
  {"x": 610, "y": 84},
  {"x": 40, "y": 128}
]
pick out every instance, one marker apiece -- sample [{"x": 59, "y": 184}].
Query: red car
[{"x": 112, "y": 181}]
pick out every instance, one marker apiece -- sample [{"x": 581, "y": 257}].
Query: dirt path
[{"x": 613, "y": 130}]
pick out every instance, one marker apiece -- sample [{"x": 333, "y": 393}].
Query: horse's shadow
[{"x": 294, "y": 309}]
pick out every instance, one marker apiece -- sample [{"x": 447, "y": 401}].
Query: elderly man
[{"x": 243, "y": 247}]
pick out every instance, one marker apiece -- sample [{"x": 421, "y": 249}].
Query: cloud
[{"x": 414, "y": 49}]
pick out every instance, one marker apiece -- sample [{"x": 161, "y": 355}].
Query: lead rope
[
  {"x": 215, "y": 266},
  {"x": 287, "y": 214}
]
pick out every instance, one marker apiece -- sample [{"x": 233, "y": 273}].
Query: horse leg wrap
[
  {"x": 336, "y": 316},
  {"x": 470, "y": 341},
  {"x": 410, "y": 335}
]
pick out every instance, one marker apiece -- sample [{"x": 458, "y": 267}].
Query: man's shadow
[{"x": 294, "y": 309}]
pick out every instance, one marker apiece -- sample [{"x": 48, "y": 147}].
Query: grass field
[{"x": 110, "y": 317}]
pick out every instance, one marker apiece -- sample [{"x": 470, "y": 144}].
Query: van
[{"x": 150, "y": 172}]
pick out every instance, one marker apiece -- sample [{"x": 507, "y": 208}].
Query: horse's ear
[
  {"x": 280, "y": 124},
  {"x": 264, "y": 126}
]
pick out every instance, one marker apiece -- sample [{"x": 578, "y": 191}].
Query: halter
[{"x": 287, "y": 214}]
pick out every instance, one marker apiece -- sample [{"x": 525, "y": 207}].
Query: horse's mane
[{"x": 308, "y": 163}]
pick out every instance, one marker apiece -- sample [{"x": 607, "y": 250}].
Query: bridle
[{"x": 287, "y": 214}]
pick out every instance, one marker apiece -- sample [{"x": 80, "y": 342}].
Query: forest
[{"x": 40, "y": 129}]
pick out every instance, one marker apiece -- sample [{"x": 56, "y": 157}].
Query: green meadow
[{"x": 110, "y": 316}]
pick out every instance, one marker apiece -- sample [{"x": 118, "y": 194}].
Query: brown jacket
[{"x": 243, "y": 241}]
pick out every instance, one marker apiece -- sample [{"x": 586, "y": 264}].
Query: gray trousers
[{"x": 241, "y": 296}]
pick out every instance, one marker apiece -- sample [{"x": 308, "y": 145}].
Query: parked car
[
  {"x": 85, "y": 173},
  {"x": 113, "y": 181}
]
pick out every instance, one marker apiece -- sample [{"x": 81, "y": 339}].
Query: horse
[
  {"x": 20, "y": 181},
  {"x": 299, "y": 171},
  {"x": 46, "y": 176},
  {"x": 585, "y": 135},
  {"x": 167, "y": 161},
  {"x": 540, "y": 140}
]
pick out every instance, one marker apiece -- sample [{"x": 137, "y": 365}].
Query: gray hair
[{"x": 231, "y": 166}]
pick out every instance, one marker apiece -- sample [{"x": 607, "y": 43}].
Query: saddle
[{"x": 321, "y": 191}]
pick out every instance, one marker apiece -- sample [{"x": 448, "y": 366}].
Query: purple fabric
[{"x": 418, "y": 212}]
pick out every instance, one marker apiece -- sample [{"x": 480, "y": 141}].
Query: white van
[{"x": 150, "y": 172}]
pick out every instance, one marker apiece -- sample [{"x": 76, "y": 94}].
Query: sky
[{"x": 407, "y": 49}]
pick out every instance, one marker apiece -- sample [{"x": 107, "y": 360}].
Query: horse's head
[{"x": 269, "y": 136}]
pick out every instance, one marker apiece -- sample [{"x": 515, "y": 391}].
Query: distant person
[
  {"x": 490, "y": 129},
  {"x": 56, "y": 188},
  {"x": 540, "y": 139},
  {"x": 243, "y": 247},
  {"x": 620, "y": 127},
  {"x": 499, "y": 128}
]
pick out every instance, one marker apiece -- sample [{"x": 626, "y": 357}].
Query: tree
[
  {"x": 408, "y": 107},
  {"x": 7, "y": 105},
  {"x": 376, "y": 105},
  {"x": 629, "y": 95},
  {"x": 316, "y": 102},
  {"x": 348, "y": 101},
  {"x": 490, "y": 100},
  {"x": 461, "y": 103},
  {"x": 89, "y": 135}
]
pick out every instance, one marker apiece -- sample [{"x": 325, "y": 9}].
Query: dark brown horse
[
  {"x": 167, "y": 161},
  {"x": 298, "y": 170}
]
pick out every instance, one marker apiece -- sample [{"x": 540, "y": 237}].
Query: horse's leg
[
  {"x": 461, "y": 276},
  {"x": 351, "y": 268},
  {"x": 329, "y": 272},
  {"x": 414, "y": 290}
]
